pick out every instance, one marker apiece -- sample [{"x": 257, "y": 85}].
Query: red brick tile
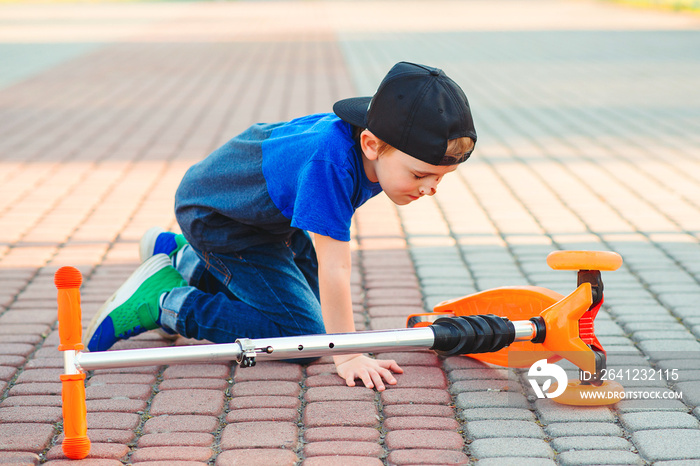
[
  {"x": 97, "y": 450},
  {"x": 280, "y": 388},
  {"x": 11, "y": 360},
  {"x": 26, "y": 329},
  {"x": 341, "y": 413},
  {"x": 249, "y": 402},
  {"x": 423, "y": 439},
  {"x": 418, "y": 410},
  {"x": 125, "y": 421},
  {"x": 39, "y": 375},
  {"x": 167, "y": 423},
  {"x": 191, "y": 439},
  {"x": 171, "y": 453},
  {"x": 106, "y": 436},
  {"x": 36, "y": 389},
  {"x": 260, "y": 435},
  {"x": 415, "y": 396},
  {"x": 320, "y": 369},
  {"x": 132, "y": 391},
  {"x": 257, "y": 457},
  {"x": 358, "y": 434},
  {"x": 263, "y": 414},
  {"x": 420, "y": 377},
  {"x": 339, "y": 393},
  {"x": 412, "y": 358},
  {"x": 341, "y": 461},
  {"x": 197, "y": 371},
  {"x": 413, "y": 457},
  {"x": 183, "y": 384},
  {"x": 41, "y": 414},
  {"x": 343, "y": 448},
  {"x": 420, "y": 422},
  {"x": 22, "y": 338},
  {"x": 124, "y": 378},
  {"x": 19, "y": 458},
  {"x": 387, "y": 323},
  {"x": 115, "y": 406},
  {"x": 269, "y": 370},
  {"x": 11, "y": 401},
  {"x": 25, "y": 437},
  {"x": 326, "y": 380},
  {"x": 207, "y": 402},
  {"x": 44, "y": 363}
]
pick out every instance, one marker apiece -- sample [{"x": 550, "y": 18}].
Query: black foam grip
[{"x": 472, "y": 334}]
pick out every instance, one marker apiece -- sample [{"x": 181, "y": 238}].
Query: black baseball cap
[{"x": 417, "y": 109}]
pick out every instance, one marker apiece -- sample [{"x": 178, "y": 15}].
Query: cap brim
[{"x": 353, "y": 110}]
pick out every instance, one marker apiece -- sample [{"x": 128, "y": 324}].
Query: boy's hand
[{"x": 370, "y": 371}]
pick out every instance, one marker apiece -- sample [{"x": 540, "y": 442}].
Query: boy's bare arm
[{"x": 334, "y": 269}]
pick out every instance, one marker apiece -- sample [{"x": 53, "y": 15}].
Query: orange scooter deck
[{"x": 515, "y": 303}]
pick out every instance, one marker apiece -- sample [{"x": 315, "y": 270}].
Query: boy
[{"x": 245, "y": 265}]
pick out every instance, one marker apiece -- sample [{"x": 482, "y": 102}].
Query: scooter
[{"x": 516, "y": 327}]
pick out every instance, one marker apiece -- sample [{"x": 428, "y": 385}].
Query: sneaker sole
[
  {"x": 148, "y": 243},
  {"x": 130, "y": 286}
]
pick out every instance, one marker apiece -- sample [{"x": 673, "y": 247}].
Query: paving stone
[
  {"x": 341, "y": 413},
  {"x": 106, "y": 436},
  {"x": 172, "y": 452},
  {"x": 418, "y": 410},
  {"x": 668, "y": 444},
  {"x": 499, "y": 447},
  {"x": 550, "y": 412},
  {"x": 133, "y": 391},
  {"x": 36, "y": 389},
  {"x": 412, "y": 358},
  {"x": 257, "y": 457},
  {"x": 263, "y": 414},
  {"x": 502, "y": 429},
  {"x": 260, "y": 435},
  {"x": 690, "y": 391},
  {"x": 33, "y": 438},
  {"x": 343, "y": 448},
  {"x": 357, "y": 434},
  {"x": 412, "y": 457},
  {"x": 269, "y": 371},
  {"x": 579, "y": 429},
  {"x": 113, "y": 451},
  {"x": 471, "y": 400},
  {"x": 341, "y": 461},
  {"x": 414, "y": 396},
  {"x": 21, "y": 414},
  {"x": 591, "y": 442},
  {"x": 633, "y": 406},
  {"x": 339, "y": 394},
  {"x": 180, "y": 423},
  {"x": 18, "y": 458},
  {"x": 423, "y": 439},
  {"x": 197, "y": 371},
  {"x": 602, "y": 457},
  {"x": 258, "y": 388},
  {"x": 115, "y": 406},
  {"x": 204, "y": 402},
  {"x": 250, "y": 402},
  {"x": 516, "y": 461},
  {"x": 658, "y": 420},
  {"x": 420, "y": 423},
  {"x": 113, "y": 420},
  {"x": 194, "y": 439}
]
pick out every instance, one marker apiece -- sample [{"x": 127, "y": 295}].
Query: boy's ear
[{"x": 369, "y": 144}]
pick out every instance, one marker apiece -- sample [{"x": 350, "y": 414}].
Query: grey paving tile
[
  {"x": 602, "y": 457},
  {"x": 581, "y": 429},
  {"x": 587, "y": 443},
  {"x": 669, "y": 444},
  {"x": 500, "y": 447},
  {"x": 658, "y": 420}
]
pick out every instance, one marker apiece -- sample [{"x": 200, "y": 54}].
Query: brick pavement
[{"x": 588, "y": 115}]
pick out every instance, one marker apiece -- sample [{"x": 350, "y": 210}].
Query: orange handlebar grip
[
  {"x": 70, "y": 327},
  {"x": 76, "y": 444}
]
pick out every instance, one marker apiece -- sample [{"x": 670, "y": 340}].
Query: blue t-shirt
[{"x": 271, "y": 180}]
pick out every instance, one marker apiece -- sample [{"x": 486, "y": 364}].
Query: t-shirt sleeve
[{"x": 323, "y": 203}]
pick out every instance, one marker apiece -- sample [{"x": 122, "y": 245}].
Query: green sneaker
[
  {"x": 158, "y": 241},
  {"x": 134, "y": 308}
]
